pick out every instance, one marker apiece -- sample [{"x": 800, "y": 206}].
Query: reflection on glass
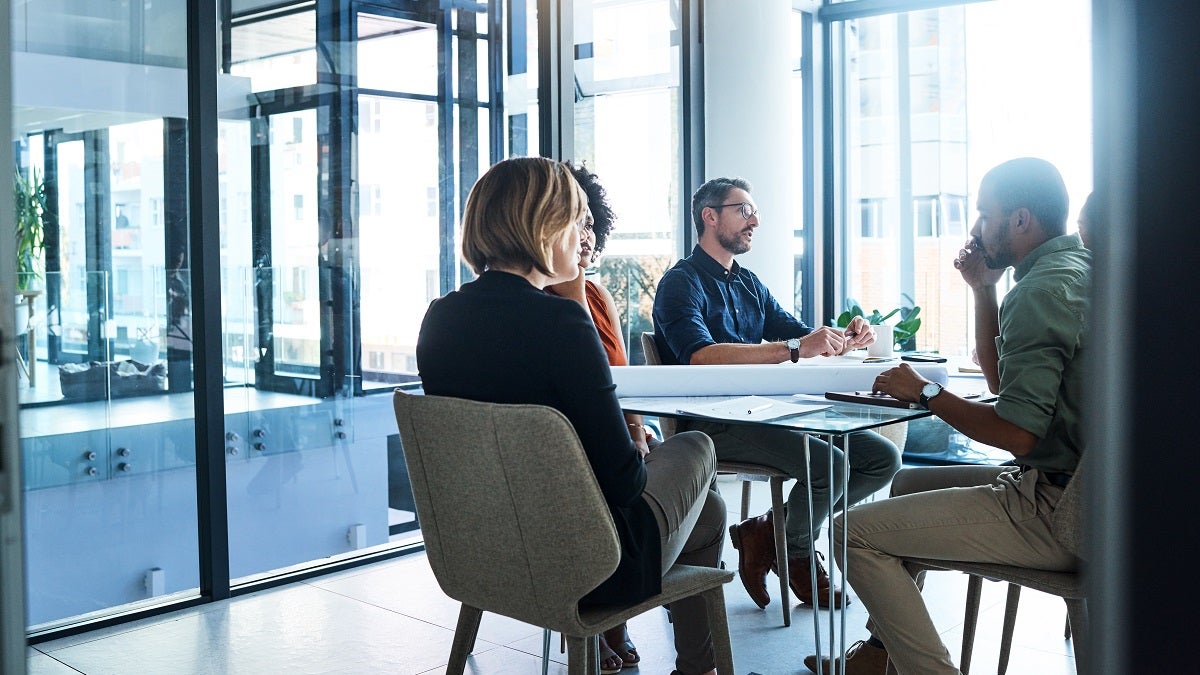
[
  {"x": 276, "y": 52},
  {"x": 385, "y": 42}
]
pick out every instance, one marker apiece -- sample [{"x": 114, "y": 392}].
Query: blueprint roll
[{"x": 811, "y": 376}]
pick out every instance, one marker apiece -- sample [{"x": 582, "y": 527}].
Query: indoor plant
[
  {"x": 30, "y": 197},
  {"x": 903, "y": 332}
]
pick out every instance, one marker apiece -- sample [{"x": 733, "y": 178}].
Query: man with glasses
[{"x": 711, "y": 310}]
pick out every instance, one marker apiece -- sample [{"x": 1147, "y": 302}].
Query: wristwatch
[
  {"x": 793, "y": 344},
  {"x": 929, "y": 391}
]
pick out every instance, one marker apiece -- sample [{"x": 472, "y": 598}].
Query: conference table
[{"x": 835, "y": 421}]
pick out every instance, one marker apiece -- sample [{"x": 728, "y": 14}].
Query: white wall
[{"x": 748, "y": 123}]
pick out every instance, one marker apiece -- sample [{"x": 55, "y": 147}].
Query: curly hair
[{"x": 597, "y": 197}]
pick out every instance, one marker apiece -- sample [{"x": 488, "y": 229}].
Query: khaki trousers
[
  {"x": 691, "y": 521},
  {"x": 969, "y": 513}
]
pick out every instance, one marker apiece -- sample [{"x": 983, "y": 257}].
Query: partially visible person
[
  {"x": 1031, "y": 350},
  {"x": 1091, "y": 218},
  {"x": 520, "y": 234},
  {"x": 616, "y": 647},
  {"x": 709, "y": 310}
]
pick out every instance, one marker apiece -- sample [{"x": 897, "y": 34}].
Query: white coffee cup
[{"x": 884, "y": 341}]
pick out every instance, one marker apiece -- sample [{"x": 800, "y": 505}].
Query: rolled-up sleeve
[
  {"x": 1040, "y": 336},
  {"x": 679, "y": 307}
]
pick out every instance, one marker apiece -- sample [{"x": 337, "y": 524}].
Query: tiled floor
[{"x": 391, "y": 617}]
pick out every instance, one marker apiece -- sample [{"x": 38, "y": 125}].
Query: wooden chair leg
[
  {"x": 970, "y": 620},
  {"x": 781, "y": 558},
  {"x": 464, "y": 639},
  {"x": 1010, "y": 621}
]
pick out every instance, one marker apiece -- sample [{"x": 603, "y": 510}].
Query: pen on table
[{"x": 758, "y": 408}]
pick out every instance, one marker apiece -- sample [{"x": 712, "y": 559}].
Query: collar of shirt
[
  {"x": 1061, "y": 243},
  {"x": 706, "y": 263}
]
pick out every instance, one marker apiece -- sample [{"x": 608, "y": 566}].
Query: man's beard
[
  {"x": 733, "y": 243},
  {"x": 1002, "y": 258}
]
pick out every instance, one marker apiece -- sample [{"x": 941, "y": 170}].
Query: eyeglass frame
[{"x": 744, "y": 205}]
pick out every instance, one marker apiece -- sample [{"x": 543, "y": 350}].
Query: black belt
[{"x": 1058, "y": 478}]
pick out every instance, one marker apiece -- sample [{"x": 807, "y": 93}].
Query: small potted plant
[{"x": 903, "y": 331}]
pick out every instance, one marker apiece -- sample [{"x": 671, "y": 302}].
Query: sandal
[
  {"x": 610, "y": 662},
  {"x": 619, "y": 642}
]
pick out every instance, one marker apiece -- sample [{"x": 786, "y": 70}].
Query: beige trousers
[
  {"x": 969, "y": 513},
  {"x": 691, "y": 520}
]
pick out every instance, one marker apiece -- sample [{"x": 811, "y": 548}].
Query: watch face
[
  {"x": 930, "y": 390},
  {"x": 793, "y": 343}
]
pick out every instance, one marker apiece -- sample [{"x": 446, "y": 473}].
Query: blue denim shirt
[{"x": 700, "y": 303}]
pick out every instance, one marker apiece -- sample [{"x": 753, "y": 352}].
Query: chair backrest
[
  {"x": 1067, "y": 521},
  {"x": 513, "y": 519},
  {"x": 650, "y": 348}
]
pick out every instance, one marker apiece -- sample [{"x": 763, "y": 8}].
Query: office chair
[
  {"x": 503, "y": 536},
  {"x": 1066, "y": 523}
]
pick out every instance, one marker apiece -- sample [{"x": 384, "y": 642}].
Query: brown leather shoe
[
  {"x": 861, "y": 659},
  {"x": 754, "y": 538},
  {"x": 801, "y": 582}
]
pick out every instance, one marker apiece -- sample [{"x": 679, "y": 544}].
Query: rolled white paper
[{"x": 812, "y": 376}]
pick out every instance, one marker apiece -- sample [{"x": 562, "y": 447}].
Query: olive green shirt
[{"x": 1040, "y": 346}]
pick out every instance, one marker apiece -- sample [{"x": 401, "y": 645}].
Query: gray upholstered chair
[
  {"x": 514, "y": 523},
  {"x": 748, "y": 474},
  {"x": 1067, "y": 525}
]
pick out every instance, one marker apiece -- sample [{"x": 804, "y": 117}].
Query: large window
[
  {"x": 929, "y": 101},
  {"x": 627, "y": 131}
]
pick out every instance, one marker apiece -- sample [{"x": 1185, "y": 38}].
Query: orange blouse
[{"x": 610, "y": 335}]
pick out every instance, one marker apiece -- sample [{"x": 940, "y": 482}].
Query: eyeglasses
[{"x": 748, "y": 210}]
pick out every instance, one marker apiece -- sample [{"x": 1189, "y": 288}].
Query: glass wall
[
  {"x": 106, "y": 423},
  {"x": 627, "y": 131},
  {"x": 340, "y": 181},
  {"x": 931, "y": 100}
]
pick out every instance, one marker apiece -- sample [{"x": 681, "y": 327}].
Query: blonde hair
[{"x": 516, "y": 211}]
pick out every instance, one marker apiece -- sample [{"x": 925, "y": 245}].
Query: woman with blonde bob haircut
[
  {"x": 521, "y": 229},
  {"x": 506, "y": 227}
]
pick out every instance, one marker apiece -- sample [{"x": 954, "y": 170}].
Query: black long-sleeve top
[{"x": 502, "y": 340}]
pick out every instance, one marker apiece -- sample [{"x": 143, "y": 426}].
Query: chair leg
[
  {"x": 1010, "y": 621},
  {"x": 970, "y": 620},
  {"x": 578, "y": 655},
  {"x": 1067, "y": 627},
  {"x": 546, "y": 651},
  {"x": 718, "y": 627},
  {"x": 745, "y": 499},
  {"x": 464, "y": 639},
  {"x": 1077, "y": 616},
  {"x": 781, "y": 558}
]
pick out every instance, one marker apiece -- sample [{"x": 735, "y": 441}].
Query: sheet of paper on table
[{"x": 751, "y": 409}]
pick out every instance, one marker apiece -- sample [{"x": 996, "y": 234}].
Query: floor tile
[{"x": 391, "y": 617}]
